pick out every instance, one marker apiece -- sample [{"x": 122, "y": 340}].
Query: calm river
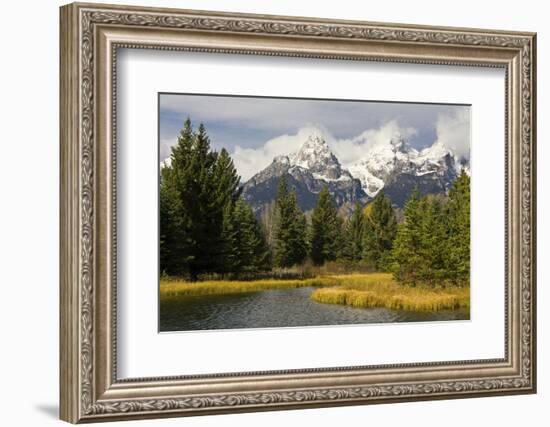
[{"x": 279, "y": 308}]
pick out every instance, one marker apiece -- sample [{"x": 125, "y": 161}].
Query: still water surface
[{"x": 279, "y": 308}]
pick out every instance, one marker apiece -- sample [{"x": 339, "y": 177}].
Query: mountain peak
[
  {"x": 392, "y": 164},
  {"x": 312, "y": 151},
  {"x": 308, "y": 170},
  {"x": 316, "y": 156}
]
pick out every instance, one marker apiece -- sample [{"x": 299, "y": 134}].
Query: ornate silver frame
[{"x": 90, "y": 36}]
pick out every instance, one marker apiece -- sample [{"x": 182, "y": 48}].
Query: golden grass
[
  {"x": 357, "y": 290},
  {"x": 173, "y": 288},
  {"x": 380, "y": 290}
]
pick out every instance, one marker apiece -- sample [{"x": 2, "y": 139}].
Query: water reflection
[{"x": 279, "y": 308}]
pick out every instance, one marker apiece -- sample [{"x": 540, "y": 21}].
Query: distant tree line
[{"x": 207, "y": 227}]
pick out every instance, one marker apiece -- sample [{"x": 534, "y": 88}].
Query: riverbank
[
  {"x": 366, "y": 290},
  {"x": 176, "y": 288}
]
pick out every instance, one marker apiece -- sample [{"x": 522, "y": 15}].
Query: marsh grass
[
  {"x": 176, "y": 288},
  {"x": 357, "y": 290},
  {"x": 380, "y": 290}
]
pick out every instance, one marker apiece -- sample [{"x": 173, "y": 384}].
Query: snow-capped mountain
[
  {"x": 398, "y": 168},
  {"x": 394, "y": 166},
  {"x": 382, "y": 161},
  {"x": 315, "y": 155},
  {"x": 308, "y": 170}
]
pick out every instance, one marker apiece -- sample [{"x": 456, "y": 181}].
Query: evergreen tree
[
  {"x": 432, "y": 250},
  {"x": 226, "y": 179},
  {"x": 433, "y": 243},
  {"x": 290, "y": 247},
  {"x": 268, "y": 221},
  {"x": 176, "y": 242},
  {"x": 354, "y": 231},
  {"x": 457, "y": 262},
  {"x": 254, "y": 240},
  {"x": 225, "y": 193},
  {"x": 205, "y": 209},
  {"x": 379, "y": 232},
  {"x": 181, "y": 152},
  {"x": 325, "y": 230},
  {"x": 231, "y": 256},
  {"x": 298, "y": 230},
  {"x": 195, "y": 188},
  {"x": 406, "y": 257},
  {"x": 244, "y": 246}
]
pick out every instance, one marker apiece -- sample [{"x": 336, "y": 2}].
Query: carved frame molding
[{"x": 90, "y": 36}]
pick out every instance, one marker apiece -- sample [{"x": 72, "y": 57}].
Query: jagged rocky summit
[
  {"x": 393, "y": 166},
  {"x": 398, "y": 168},
  {"x": 308, "y": 170}
]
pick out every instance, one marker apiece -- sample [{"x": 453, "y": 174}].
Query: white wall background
[{"x": 29, "y": 170}]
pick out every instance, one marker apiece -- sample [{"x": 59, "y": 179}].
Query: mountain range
[{"x": 393, "y": 166}]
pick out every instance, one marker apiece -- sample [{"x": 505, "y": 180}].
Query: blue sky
[{"x": 248, "y": 125}]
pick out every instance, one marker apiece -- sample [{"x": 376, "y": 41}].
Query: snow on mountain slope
[
  {"x": 308, "y": 170},
  {"x": 393, "y": 165},
  {"x": 316, "y": 157},
  {"x": 383, "y": 163}
]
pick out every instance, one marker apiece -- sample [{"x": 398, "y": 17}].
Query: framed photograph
[{"x": 266, "y": 212}]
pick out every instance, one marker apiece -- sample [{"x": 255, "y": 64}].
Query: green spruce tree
[
  {"x": 176, "y": 241},
  {"x": 254, "y": 240},
  {"x": 354, "y": 231},
  {"x": 206, "y": 210},
  {"x": 457, "y": 262},
  {"x": 432, "y": 249},
  {"x": 290, "y": 246},
  {"x": 379, "y": 232},
  {"x": 231, "y": 256},
  {"x": 195, "y": 188},
  {"x": 406, "y": 258},
  {"x": 326, "y": 227}
]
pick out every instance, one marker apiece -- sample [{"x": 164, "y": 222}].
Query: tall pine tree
[
  {"x": 379, "y": 232},
  {"x": 290, "y": 246},
  {"x": 458, "y": 247},
  {"x": 326, "y": 228},
  {"x": 205, "y": 207},
  {"x": 196, "y": 186},
  {"x": 253, "y": 240},
  {"x": 406, "y": 257},
  {"x": 354, "y": 231},
  {"x": 176, "y": 241},
  {"x": 175, "y": 238},
  {"x": 432, "y": 250},
  {"x": 245, "y": 248}
]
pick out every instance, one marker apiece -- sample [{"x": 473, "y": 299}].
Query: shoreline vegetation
[
  {"x": 179, "y": 288},
  {"x": 213, "y": 242},
  {"x": 382, "y": 291},
  {"x": 361, "y": 290}
]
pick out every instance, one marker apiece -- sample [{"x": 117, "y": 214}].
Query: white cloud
[
  {"x": 165, "y": 147},
  {"x": 348, "y": 151},
  {"x": 453, "y": 131},
  {"x": 249, "y": 161}
]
